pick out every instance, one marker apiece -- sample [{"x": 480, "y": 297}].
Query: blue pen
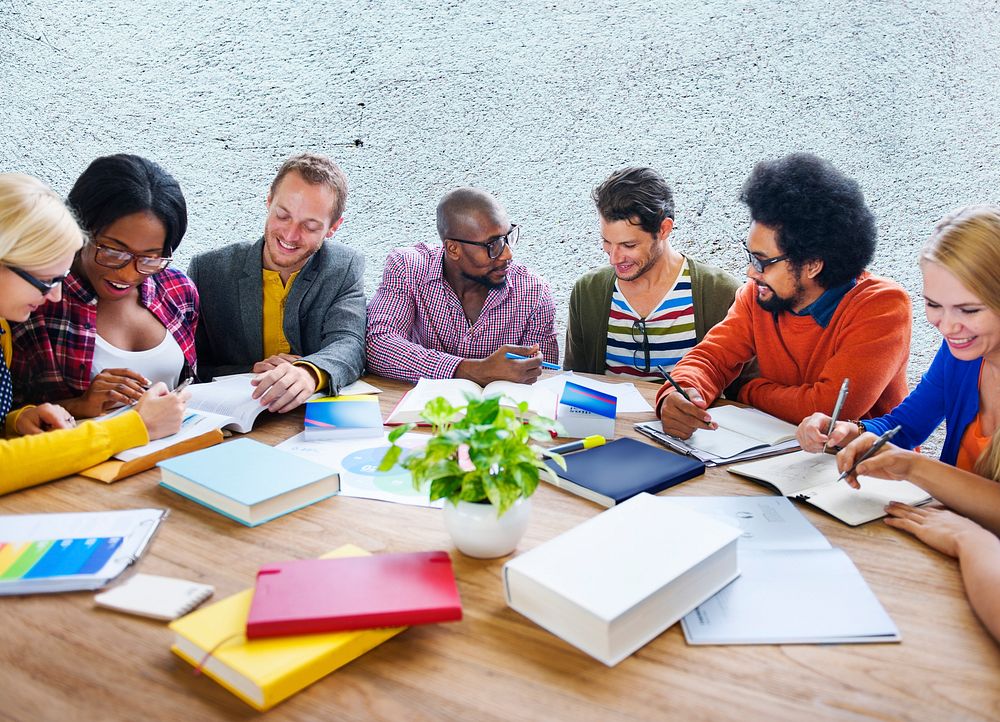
[{"x": 545, "y": 364}]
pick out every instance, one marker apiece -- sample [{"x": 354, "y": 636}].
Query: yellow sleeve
[
  {"x": 29, "y": 460},
  {"x": 320, "y": 374}
]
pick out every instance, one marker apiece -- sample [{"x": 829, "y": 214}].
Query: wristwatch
[{"x": 861, "y": 427}]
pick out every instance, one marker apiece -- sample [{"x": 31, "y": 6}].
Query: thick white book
[
  {"x": 613, "y": 583},
  {"x": 812, "y": 478},
  {"x": 540, "y": 401}
]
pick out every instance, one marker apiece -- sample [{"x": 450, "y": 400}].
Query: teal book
[
  {"x": 248, "y": 481},
  {"x": 343, "y": 417}
]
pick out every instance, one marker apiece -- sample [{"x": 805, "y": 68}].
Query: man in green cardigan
[{"x": 638, "y": 316}]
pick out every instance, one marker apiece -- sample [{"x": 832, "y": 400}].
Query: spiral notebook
[{"x": 153, "y": 596}]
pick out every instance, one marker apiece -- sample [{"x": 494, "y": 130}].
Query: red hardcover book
[{"x": 332, "y": 595}]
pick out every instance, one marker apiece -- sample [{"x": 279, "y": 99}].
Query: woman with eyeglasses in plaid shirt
[{"x": 126, "y": 320}]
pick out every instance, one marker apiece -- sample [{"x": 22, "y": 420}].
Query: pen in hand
[
  {"x": 677, "y": 386},
  {"x": 841, "y": 397},
  {"x": 545, "y": 364},
  {"x": 875, "y": 448},
  {"x": 183, "y": 385}
]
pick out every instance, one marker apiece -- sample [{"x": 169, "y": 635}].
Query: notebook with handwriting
[{"x": 812, "y": 478}]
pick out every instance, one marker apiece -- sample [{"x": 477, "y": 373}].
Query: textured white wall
[{"x": 536, "y": 102}]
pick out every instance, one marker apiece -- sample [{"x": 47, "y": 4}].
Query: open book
[
  {"x": 743, "y": 433},
  {"x": 813, "y": 478},
  {"x": 540, "y": 401}
]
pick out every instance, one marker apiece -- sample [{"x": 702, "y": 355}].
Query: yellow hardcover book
[{"x": 266, "y": 671}]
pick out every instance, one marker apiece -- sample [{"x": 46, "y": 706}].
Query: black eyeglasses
[
  {"x": 116, "y": 258},
  {"x": 759, "y": 264},
  {"x": 44, "y": 287},
  {"x": 643, "y": 352},
  {"x": 494, "y": 246}
]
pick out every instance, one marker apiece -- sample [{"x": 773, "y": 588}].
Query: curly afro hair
[{"x": 818, "y": 213}]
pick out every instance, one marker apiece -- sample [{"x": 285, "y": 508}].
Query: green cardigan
[{"x": 712, "y": 289}]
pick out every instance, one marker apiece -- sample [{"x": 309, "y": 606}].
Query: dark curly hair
[
  {"x": 631, "y": 193},
  {"x": 119, "y": 185},
  {"x": 818, "y": 213}
]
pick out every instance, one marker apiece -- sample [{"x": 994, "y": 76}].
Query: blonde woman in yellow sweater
[{"x": 38, "y": 241}]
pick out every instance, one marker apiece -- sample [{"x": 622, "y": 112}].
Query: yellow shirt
[
  {"x": 29, "y": 460},
  {"x": 275, "y": 297}
]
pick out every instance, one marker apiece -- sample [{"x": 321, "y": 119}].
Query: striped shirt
[{"x": 669, "y": 329}]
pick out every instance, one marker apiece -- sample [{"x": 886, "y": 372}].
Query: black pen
[
  {"x": 670, "y": 379},
  {"x": 882, "y": 441}
]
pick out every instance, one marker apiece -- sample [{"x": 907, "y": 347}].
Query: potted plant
[{"x": 483, "y": 460}]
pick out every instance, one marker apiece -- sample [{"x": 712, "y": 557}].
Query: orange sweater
[{"x": 802, "y": 364}]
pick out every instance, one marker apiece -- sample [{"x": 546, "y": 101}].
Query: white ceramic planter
[{"x": 477, "y": 532}]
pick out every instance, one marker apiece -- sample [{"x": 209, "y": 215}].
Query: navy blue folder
[{"x": 622, "y": 468}]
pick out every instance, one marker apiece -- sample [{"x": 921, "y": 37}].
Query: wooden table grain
[{"x": 64, "y": 659}]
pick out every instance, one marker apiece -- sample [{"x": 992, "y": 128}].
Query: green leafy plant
[{"x": 479, "y": 452}]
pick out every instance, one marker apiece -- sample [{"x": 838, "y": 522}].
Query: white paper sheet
[
  {"x": 357, "y": 460},
  {"x": 630, "y": 401}
]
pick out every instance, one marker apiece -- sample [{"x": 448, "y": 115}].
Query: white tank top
[{"x": 164, "y": 362}]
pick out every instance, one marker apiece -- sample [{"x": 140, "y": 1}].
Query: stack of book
[{"x": 306, "y": 618}]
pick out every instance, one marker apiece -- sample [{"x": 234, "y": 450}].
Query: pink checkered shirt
[{"x": 417, "y": 328}]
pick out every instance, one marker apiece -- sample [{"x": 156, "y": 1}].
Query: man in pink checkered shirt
[{"x": 457, "y": 310}]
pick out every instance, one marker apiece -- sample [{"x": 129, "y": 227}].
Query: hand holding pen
[
  {"x": 683, "y": 413},
  {"x": 843, "y": 458}
]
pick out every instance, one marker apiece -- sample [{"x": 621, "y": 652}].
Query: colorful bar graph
[{"x": 55, "y": 557}]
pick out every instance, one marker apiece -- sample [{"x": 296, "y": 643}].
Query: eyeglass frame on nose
[
  {"x": 760, "y": 264},
  {"x": 505, "y": 241},
  {"x": 133, "y": 258},
  {"x": 43, "y": 287}
]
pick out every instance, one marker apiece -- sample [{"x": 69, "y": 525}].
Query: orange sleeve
[
  {"x": 719, "y": 358},
  {"x": 874, "y": 345}
]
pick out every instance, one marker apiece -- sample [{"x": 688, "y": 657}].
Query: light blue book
[{"x": 248, "y": 481}]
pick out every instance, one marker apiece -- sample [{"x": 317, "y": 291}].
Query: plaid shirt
[
  {"x": 418, "y": 329},
  {"x": 54, "y": 348}
]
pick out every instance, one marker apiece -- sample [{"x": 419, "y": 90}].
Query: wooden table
[{"x": 64, "y": 659}]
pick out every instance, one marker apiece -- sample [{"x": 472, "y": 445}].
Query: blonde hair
[
  {"x": 36, "y": 227},
  {"x": 967, "y": 243}
]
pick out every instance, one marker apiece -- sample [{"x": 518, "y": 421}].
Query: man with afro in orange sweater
[{"x": 810, "y": 312}]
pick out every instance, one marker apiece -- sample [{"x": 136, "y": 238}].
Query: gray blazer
[{"x": 324, "y": 315}]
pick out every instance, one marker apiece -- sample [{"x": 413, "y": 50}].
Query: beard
[
  {"x": 486, "y": 281},
  {"x": 655, "y": 254},
  {"x": 779, "y": 304}
]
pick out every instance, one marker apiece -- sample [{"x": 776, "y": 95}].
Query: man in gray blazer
[{"x": 290, "y": 306}]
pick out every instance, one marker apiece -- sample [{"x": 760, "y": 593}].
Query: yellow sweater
[{"x": 29, "y": 460}]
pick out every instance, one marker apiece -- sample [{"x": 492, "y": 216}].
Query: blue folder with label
[{"x": 587, "y": 412}]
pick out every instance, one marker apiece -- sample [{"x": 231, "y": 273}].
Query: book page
[
  {"x": 857, "y": 506},
  {"x": 195, "y": 423},
  {"x": 792, "y": 474},
  {"x": 228, "y": 396},
  {"x": 722, "y": 442},
  {"x": 753, "y": 423},
  {"x": 454, "y": 390},
  {"x": 540, "y": 400}
]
